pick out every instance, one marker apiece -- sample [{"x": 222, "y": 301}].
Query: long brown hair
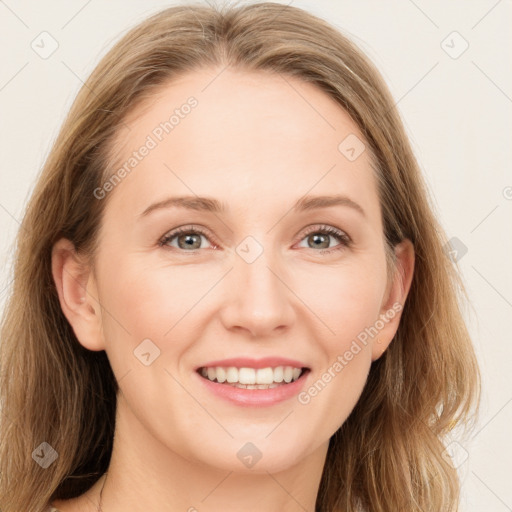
[{"x": 388, "y": 454}]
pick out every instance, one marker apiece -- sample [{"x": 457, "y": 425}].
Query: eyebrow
[{"x": 208, "y": 204}]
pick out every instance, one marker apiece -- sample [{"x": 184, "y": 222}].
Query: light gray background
[{"x": 457, "y": 112}]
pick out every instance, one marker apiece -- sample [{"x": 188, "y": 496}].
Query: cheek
[
  {"x": 152, "y": 297},
  {"x": 142, "y": 302},
  {"x": 348, "y": 307},
  {"x": 344, "y": 300}
]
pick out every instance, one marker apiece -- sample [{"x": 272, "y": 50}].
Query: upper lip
[{"x": 246, "y": 362}]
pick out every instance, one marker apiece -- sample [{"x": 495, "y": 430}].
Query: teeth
[
  {"x": 231, "y": 374},
  {"x": 220, "y": 373},
  {"x": 255, "y": 386},
  {"x": 278, "y": 374},
  {"x": 247, "y": 376},
  {"x": 252, "y": 378}
]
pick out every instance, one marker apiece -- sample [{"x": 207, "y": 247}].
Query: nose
[{"x": 259, "y": 300}]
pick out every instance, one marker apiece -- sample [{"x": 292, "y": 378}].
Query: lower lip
[{"x": 255, "y": 397}]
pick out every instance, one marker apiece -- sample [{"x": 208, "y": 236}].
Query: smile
[
  {"x": 252, "y": 378},
  {"x": 253, "y": 387}
]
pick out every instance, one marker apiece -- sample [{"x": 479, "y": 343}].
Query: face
[{"x": 267, "y": 276}]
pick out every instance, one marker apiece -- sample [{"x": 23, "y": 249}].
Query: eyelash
[{"x": 342, "y": 237}]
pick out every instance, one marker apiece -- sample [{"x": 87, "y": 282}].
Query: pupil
[
  {"x": 317, "y": 237},
  {"x": 189, "y": 241}
]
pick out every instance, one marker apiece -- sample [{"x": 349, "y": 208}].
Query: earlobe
[
  {"x": 391, "y": 311},
  {"x": 77, "y": 294}
]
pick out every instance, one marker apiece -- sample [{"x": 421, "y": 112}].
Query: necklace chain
[{"x": 101, "y": 493}]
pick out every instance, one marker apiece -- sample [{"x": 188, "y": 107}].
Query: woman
[{"x": 230, "y": 288}]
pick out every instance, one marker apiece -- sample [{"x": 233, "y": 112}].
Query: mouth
[{"x": 245, "y": 377}]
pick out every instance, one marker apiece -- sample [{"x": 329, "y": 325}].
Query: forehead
[{"x": 239, "y": 135}]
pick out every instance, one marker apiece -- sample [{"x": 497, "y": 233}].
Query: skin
[{"x": 176, "y": 444}]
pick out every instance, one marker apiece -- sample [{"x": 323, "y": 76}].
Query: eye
[
  {"x": 187, "y": 237},
  {"x": 319, "y": 237}
]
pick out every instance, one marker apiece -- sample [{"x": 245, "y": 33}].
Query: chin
[{"x": 254, "y": 457}]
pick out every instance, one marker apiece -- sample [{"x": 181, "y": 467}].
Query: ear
[
  {"x": 395, "y": 297},
  {"x": 78, "y": 295}
]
